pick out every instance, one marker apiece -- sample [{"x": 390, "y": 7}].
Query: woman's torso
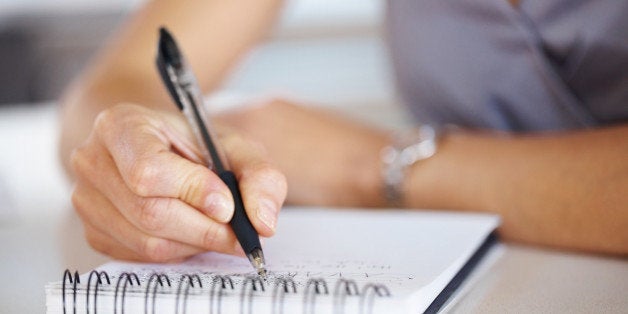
[{"x": 543, "y": 65}]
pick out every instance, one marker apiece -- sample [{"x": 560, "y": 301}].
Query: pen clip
[
  {"x": 184, "y": 90},
  {"x": 168, "y": 80}
]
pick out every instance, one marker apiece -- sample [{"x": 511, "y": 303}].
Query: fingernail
[
  {"x": 267, "y": 213},
  {"x": 219, "y": 206}
]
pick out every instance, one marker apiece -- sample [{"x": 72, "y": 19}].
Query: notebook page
[{"x": 413, "y": 254}]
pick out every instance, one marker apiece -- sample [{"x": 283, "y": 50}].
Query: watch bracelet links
[{"x": 408, "y": 147}]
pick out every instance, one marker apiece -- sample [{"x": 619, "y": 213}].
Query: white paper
[{"x": 413, "y": 254}]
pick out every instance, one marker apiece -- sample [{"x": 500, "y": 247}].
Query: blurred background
[{"x": 316, "y": 45}]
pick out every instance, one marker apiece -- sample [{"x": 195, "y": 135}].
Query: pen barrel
[{"x": 240, "y": 223}]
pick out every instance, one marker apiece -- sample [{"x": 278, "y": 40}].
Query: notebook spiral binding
[
  {"x": 99, "y": 276},
  {"x": 219, "y": 284}
]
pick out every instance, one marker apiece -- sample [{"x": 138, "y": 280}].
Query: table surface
[{"x": 42, "y": 236}]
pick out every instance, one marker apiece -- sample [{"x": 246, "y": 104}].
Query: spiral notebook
[{"x": 320, "y": 261}]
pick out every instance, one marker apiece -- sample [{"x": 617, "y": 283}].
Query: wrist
[
  {"x": 456, "y": 177},
  {"x": 363, "y": 175}
]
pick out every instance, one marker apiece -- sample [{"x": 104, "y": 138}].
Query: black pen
[{"x": 183, "y": 87}]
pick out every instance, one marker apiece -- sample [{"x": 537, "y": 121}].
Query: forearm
[
  {"x": 565, "y": 190},
  {"x": 213, "y": 34}
]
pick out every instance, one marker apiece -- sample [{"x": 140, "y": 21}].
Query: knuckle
[
  {"x": 152, "y": 217},
  {"x": 103, "y": 119},
  {"x": 78, "y": 203},
  {"x": 115, "y": 113},
  {"x": 195, "y": 186},
  {"x": 107, "y": 117},
  {"x": 76, "y": 199},
  {"x": 157, "y": 249},
  {"x": 142, "y": 176},
  {"x": 104, "y": 125},
  {"x": 79, "y": 161},
  {"x": 111, "y": 123}
]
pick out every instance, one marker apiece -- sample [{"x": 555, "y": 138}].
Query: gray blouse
[{"x": 545, "y": 65}]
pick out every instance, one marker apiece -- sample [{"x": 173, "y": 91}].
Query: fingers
[
  {"x": 143, "y": 153},
  {"x": 105, "y": 244},
  {"x": 166, "y": 218},
  {"x": 263, "y": 187},
  {"x": 143, "y": 194},
  {"x": 109, "y": 232}
]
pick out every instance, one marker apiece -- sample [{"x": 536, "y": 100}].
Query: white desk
[{"x": 41, "y": 237}]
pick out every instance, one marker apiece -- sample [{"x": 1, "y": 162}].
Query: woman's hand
[
  {"x": 143, "y": 192},
  {"x": 328, "y": 160}
]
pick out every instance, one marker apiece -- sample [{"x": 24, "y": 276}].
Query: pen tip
[
  {"x": 257, "y": 260},
  {"x": 263, "y": 273}
]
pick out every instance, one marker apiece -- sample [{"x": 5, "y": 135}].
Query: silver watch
[{"x": 408, "y": 148}]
